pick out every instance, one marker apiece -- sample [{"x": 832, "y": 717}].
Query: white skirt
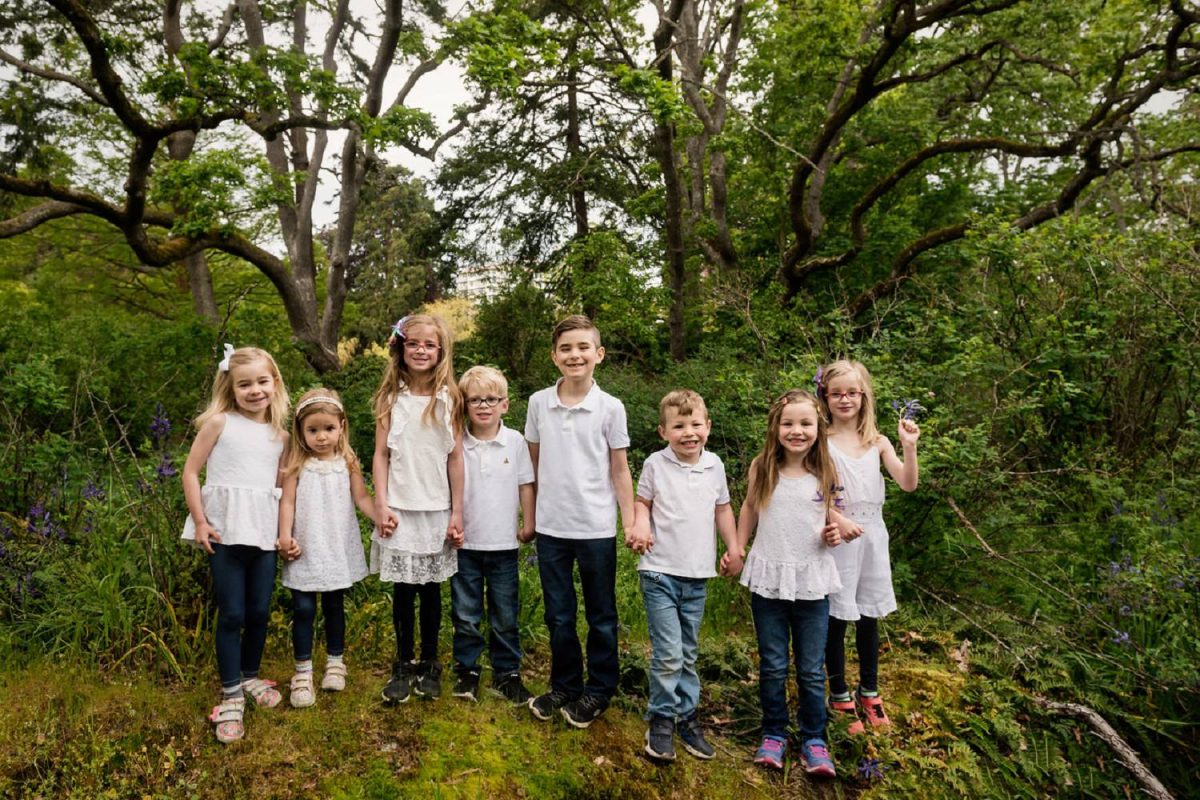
[
  {"x": 418, "y": 552},
  {"x": 866, "y": 572}
]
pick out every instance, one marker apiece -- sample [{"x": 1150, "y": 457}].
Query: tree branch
[
  {"x": 28, "y": 220},
  {"x": 52, "y": 75}
]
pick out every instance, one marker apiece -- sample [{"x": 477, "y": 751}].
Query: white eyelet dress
[
  {"x": 789, "y": 560},
  {"x": 326, "y": 529},
  {"x": 419, "y": 493},
  {"x": 241, "y": 500},
  {"x": 864, "y": 564}
]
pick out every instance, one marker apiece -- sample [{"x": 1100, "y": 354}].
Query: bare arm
[
  {"x": 905, "y": 473},
  {"x": 385, "y": 520},
  {"x": 732, "y": 561},
  {"x": 206, "y": 439},
  {"x": 528, "y": 497},
  {"x": 287, "y": 544},
  {"x": 641, "y": 539},
  {"x": 747, "y": 519},
  {"x": 362, "y": 497},
  {"x": 534, "y": 450},
  {"x": 457, "y": 472},
  {"x": 622, "y": 478}
]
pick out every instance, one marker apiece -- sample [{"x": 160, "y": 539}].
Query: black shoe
[
  {"x": 660, "y": 737},
  {"x": 585, "y": 710},
  {"x": 399, "y": 687},
  {"x": 466, "y": 685},
  {"x": 544, "y": 705},
  {"x": 429, "y": 684},
  {"x": 511, "y": 688},
  {"x": 693, "y": 738}
]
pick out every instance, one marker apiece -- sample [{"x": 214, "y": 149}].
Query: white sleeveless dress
[
  {"x": 326, "y": 528},
  {"x": 241, "y": 500},
  {"x": 419, "y": 494},
  {"x": 863, "y": 564},
  {"x": 789, "y": 559}
]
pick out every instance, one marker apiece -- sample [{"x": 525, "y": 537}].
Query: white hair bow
[{"x": 224, "y": 365}]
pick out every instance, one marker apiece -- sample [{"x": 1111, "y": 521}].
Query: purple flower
[
  {"x": 165, "y": 468},
  {"x": 1122, "y": 638},
  {"x": 397, "y": 334},
  {"x": 531, "y": 559},
  {"x": 819, "y": 381},
  {"x": 908, "y": 409},
  {"x": 1177, "y": 583},
  {"x": 160, "y": 426},
  {"x": 92, "y": 492},
  {"x": 869, "y": 769}
]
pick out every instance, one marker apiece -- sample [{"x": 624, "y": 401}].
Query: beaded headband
[{"x": 321, "y": 398}]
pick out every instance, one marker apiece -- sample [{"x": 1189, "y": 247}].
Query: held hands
[
  {"x": 848, "y": 531},
  {"x": 639, "y": 539},
  {"x": 288, "y": 547},
  {"x": 526, "y": 535},
  {"x": 206, "y": 535},
  {"x": 386, "y": 520},
  {"x": 832, "y": 535},
  {"x": 732, "y": 563},
  {"x": 454, "y": 531},
  {"x": 908, "y": 432}
]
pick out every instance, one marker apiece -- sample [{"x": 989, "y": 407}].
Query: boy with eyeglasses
[{"x": 499, "y": 481}]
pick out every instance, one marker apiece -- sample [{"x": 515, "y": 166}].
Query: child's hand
[
  {"x": 909, "y": 432},
  {"x": 288, "y": 547},
  {"x": 848, "y": 531},
  {"x": 831, "y": 535},
  {"x": 206, "y": 536},
  {"x": 386, "y": 520},
  {"x": 524, "y": 536},
  {"x": 731, "y": 564},
  {"x": 454, "y": 531}
]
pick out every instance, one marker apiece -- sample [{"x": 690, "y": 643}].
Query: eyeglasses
[
  {"x": 413, "y": 347},
  {"x": 480, "y": 402},
  {"x": 853, "y": 394}
]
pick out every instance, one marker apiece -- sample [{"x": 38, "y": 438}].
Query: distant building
[{"x": 482, "y": 281}]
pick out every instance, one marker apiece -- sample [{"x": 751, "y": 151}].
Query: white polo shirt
[
  {"x": 683, "y": 498},
  {"x": 575, "y": 496},
  {"x": 494, "y": 471}
]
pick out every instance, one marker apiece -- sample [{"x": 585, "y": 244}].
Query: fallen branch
[{"x": 1125, "y": 754}]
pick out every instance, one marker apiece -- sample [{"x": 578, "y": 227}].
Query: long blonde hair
[
  {"x": 223, "y": 400},
  {"x": 867, "y": 430},
  {"x": 324, "y": 401},
  {"x": 764, "y": 469},
  {"x": 396, "y": 376}
]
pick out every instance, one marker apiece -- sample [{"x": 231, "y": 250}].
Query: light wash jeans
[{"x": 674, "y": 609}]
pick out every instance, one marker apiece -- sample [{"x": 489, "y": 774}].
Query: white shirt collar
[
  {"x": 706, "y": 460},
  {"x": 590, "y": 402},
  {"x": 471, "y": 442}
]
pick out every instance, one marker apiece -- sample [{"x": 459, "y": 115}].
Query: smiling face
[
  {"x": 798, "y": 428},
  {"x": 576, "y": 354},
  {"x": 485, "y": 407},
  {"x": 422, "y": 348},
  {"x": 844, "y": 396},
  {"x": 322, "y": 431},
  {"x": 253, "y": 385},
  {"x": 686, "y": 433}
]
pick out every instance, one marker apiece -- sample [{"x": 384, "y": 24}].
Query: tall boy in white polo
[{"x": 578, "y": 439}]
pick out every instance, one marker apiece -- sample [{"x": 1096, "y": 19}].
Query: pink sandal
[{"x": 228, "y": 720}]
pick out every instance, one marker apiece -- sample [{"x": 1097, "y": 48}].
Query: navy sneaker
[
  {"x": 815, "y": 758},
  {"x": 466, "y": 685},
  {"x": 429, "y": 684},
  {"x": 584, "y": 711},
  {"x": 660, "y": 744},
  {"x": 544, "y": 705},
  {"x": 693, "y": 738},
  {"x": 770, "y": 752},
  {"x": 399, "y": 686},
  {"x": 511, "y": 689}
]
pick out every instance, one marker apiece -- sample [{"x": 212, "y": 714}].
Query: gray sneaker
[
  {"x": 693, "y": 738},
  {"x": 660, "y": 744}
]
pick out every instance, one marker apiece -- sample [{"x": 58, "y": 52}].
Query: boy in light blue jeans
[{"x": 681, "y": 495}]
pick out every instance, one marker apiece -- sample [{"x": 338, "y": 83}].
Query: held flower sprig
[
  {"x": 397, "y": 335},
  {"x": 908, "y": 409},
  {"x": 819, "y": 382}
]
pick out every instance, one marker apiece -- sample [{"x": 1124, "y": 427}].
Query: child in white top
[
  {"x": 859, "y": 449},
  {"x": 790, "y": 571},
  {"x": 578, "y": 440},
  {"x": 319, "y": 535},
  {"x": 234, "y": 518},
  {"x": 681, "y": 495},
  {"x": 418, "y": 470},
  {"x": 499, "y": 482}
]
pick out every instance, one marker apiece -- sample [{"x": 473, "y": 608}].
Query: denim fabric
[
  {"x": 243, "y": 578},
  {"x": 598, "y": 576},
  {"x": 304, "y": 615},
  {"x": 805, "y": 623},
  {"x": 674, "y": 609},
  {"x": 493, "y": 572}
]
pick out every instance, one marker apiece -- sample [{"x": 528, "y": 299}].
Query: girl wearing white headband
[{"x": 319, "y": 536}]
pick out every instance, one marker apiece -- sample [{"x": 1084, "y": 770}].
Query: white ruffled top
[
  {"x": 241, "y": 500},
  {"x": 326, "y": 528},
  {"x": 789, "y": 560},
  {"x": 863, "y": 489}
]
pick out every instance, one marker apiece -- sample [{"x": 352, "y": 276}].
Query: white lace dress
[
  {"x": 788, "y": 559},
  {"x": 864, "y": 564},
  {"x": 241, "y": 500},
  {"x": 326, "y": 528},
  {"x": 419, "y": 494}
]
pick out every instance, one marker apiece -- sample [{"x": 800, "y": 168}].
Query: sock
[
  {"x": 332, "y": 659},
  {"x": 304, "y": 666},
  {"x": 231, "y": 692},
  {"x": 840, "y": 698},
  {"x": 864, "y": 693}
]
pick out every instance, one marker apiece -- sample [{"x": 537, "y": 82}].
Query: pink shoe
[
  {"x": 847, "y": 708},
  {"x": 873, "y": 711}
]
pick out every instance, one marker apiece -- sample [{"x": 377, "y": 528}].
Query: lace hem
[
  {"x": 398, "y": 566},
  {"x": 791, "y": 580}
]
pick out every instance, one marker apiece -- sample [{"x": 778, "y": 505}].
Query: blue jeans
[
  {"x": 598, "y": 576},
  {"x": 304, "y": 616},
  {"x": 674, "y": 608},
  {"x": 805, "y": 623},
  {"x": 493, "y": 571},
  {"x": 243, "y": 578}
]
